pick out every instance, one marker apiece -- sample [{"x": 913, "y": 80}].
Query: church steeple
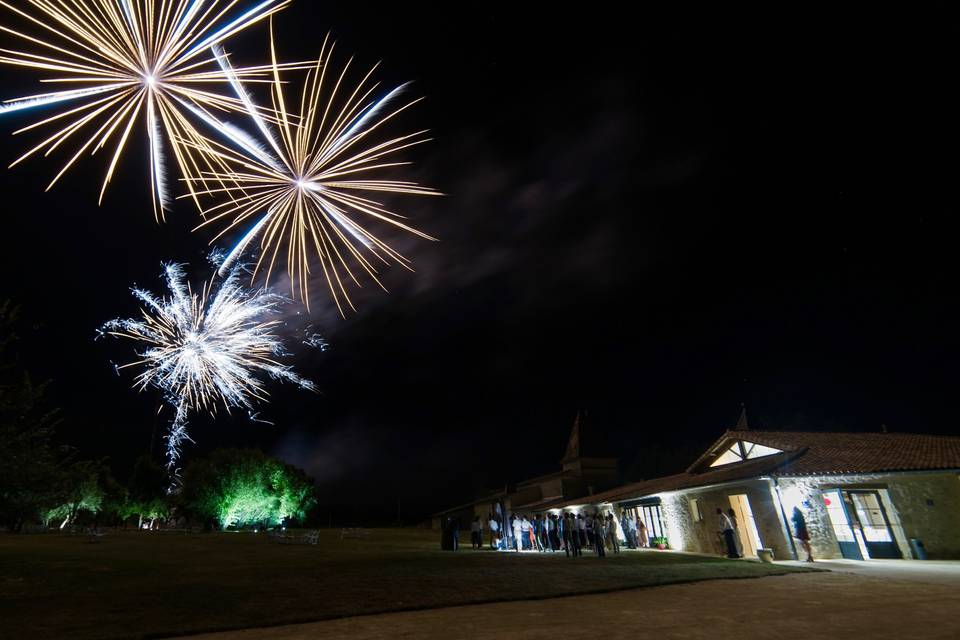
[
  {"x": 742, "y": 424},
  {"x": 573, "y": 444}
]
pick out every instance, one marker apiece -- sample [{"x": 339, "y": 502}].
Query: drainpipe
[{"x": 784, "y": 521}]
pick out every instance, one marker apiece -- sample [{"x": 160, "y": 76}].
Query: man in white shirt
[
  {"x": 517, "y": 528},
  {"x": 525, "y": 527},
  {"x": 725, "y": 525},
  {"x": 494, "y": 527}
]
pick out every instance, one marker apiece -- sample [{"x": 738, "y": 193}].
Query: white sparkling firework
[
  {"x": 119, "y": 59},
  {"x": 206, "y": 351}
]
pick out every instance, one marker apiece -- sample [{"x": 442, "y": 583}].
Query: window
[
  {"x": 759, "y": 450},
  {"x": 728, "y": 456},
  {"x": 695, "y": 509},
  {"x": 742, "y": 450},
  {"x": 652, "y": 519},
  {"x": 871, "y": 517}
]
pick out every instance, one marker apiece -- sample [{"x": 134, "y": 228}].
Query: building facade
[{"x": 862, "y": 495}]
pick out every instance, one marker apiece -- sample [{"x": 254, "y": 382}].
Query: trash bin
[
  {"x": 916, "y": 546},
  {"x": 765, "y": 555}
]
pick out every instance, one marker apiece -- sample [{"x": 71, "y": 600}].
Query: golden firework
[
  {"x": 123, "y": 59},
  {"x": 313, "y": 188}
]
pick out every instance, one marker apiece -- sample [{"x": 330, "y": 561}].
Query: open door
[
  {"x": 840, "y": 521},
  {"x": 877, "y": 535},
  {"x": 746, "y": 525}
]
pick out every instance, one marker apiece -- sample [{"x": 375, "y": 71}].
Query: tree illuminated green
[
  {"x": 245, "y": 487},
  {"x": 81, "y": 493}
]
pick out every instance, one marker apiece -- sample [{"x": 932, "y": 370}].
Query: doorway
[
  {"x": 840, "y": 521},
  {"x": 746, "y": 525},
  {"x": 872, "y": 517},
  {"x": 652, "y": 519},
  {"x": 860, "y": 524}
]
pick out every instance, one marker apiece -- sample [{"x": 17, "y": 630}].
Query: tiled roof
[
  {"x": 804, "y": 453},
  {"x": 833, "y": 453}
]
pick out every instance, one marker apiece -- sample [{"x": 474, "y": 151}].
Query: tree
[
  {"x": 80, "y": 491},
  {"x": 237, "y": 487},
  {"x": 146, "y": 492},
  {"x": 29, "y": 461}
]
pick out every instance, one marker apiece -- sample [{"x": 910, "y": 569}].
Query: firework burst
[
  {"x": 312, "y": 192},
  {"x": 206, "y": 351},
  {"x": 117, "y": 61}
]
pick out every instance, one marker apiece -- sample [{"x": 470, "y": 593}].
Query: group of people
[
  {"x": 567, "y": 532},
  {"x": 572, "y": 533}
]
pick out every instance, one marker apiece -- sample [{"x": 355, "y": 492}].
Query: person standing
[
  {"x": 581, "y": 530},
  {"x": 612, "y": 537},
  {"x": 801, "y": 532},
  {"x": 494, "y": 527},
  {"x": 572, "y": 538},
  {"x": 455, "y": 533},
  {"x": 476, "y": 533},
  {"x": 598, "y": 528},
  {"x": 518, "y": 532},
  {"x": 542, "y": 538},
  {"x": 575, "y": 537},
  {"x": 630, "y": 530},
  {"x": 728, "y": 532},
  {"x": 642, "y": 533},
  {"x": 525, "y": 532},
  {"x": 589, "y": 529},
  {"x": 552, "y": 532}
]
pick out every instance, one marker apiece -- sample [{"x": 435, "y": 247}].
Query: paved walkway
[
  {"x": 839, "y": 604},
  {"x": 927, "y": 571}
]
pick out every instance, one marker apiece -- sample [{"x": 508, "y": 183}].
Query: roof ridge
[{"x": 878, "y": 434}]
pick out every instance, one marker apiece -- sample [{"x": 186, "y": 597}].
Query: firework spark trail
[
  {"x": 314, "y": 196},
  {"x": 206, "y": 350},
  {"x": 129, "y": 58}
]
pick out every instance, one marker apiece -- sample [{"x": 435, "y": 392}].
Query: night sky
[{"x": 653, "y": 218}]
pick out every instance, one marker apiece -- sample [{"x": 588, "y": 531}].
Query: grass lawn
[{"x": 146, "y": 584}]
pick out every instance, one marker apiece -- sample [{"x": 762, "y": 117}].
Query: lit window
[
  {"x": 758, "y": 451},
  {"x": 741, "y": 450},
  {"x": 695, "y": 510},
  {"x": 728, "y": 456}
]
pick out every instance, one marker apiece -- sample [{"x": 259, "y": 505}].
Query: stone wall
[
  {"x": 919, "y": 505},
  {"x": 805, "y": 494},
  {"x": 687, "y": 535},
  {"x": 929, "y": 509}
]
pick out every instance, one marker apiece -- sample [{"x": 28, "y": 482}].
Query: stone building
[{"x": 863, "y": 495}]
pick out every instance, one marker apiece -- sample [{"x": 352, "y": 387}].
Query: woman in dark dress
[{"x": 801, "y": 532}]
